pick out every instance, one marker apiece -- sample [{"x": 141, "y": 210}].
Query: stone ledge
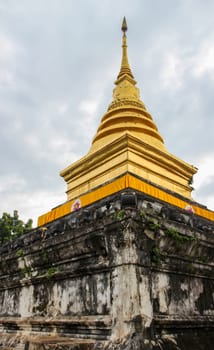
[
  {"x": 39, "y": 342},
  {"x": 76, "y": 327},
  {"x": 174, "y": 321},
  {"x": 90, "y": 320}
]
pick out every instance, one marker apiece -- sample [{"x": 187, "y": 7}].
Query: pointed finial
[
  {"x": 124, "y": 27},
  {"x": 125, "y": 68}
]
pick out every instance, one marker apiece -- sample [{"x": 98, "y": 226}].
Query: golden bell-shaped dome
[{"x": 126, "y": 113}]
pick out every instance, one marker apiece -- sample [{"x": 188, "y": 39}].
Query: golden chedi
[
  {"x": 127, "y": 152},
  {"x": 128, "y": 141}
]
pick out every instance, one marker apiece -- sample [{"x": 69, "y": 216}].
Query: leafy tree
[{"x": 12, "y": 227}]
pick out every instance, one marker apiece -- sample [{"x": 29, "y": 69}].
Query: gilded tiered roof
[{"x": 127, "y": 112}]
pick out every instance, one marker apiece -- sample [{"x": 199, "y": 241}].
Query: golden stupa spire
[
  {"x": 125, "y": 68},
  {"x": 127, "y": 142},
  {"x": 126, "y": 152},
  {"x": 126, "y": 113}
]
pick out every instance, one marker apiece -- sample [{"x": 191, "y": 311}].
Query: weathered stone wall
[{"x": 128, "y": 272}]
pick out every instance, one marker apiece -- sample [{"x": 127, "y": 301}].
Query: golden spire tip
[{"x": 124, "y": 27}]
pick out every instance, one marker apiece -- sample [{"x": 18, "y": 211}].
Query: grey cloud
[
  {"x": 204, "y": 189},
  {"x": 69, "y": 52}
]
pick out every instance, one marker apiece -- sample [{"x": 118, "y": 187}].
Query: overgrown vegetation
[
  {"x": 177, "y": 237},
  {"x": 120, "y": 214},
  {"x": 27, "y": 271},
  {"x": 51, "y": 271},
  {"x": 12, "y": 227},
  {"x": 44, "y": 255},
  {"x": 20, "y": 253},
  {"x": 154, "y": 226},
  {"x": 143, "y": 215},
  {"x": 203, "y": 259},
  {"x": 157, "y": 255}
]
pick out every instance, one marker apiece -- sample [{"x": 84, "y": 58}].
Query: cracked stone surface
[{"x": 128, "y": 272}]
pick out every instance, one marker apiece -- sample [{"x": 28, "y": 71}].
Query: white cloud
[
  {"x": 8, "y": 48},
  {"x": 179, "y": 63},
  {"x": 56, "y": 79},
  {"x": 8, "y": 51},
  {"x": 57, "y": 149},
  {"x": 173, "y": 70},
  {"x": 29, "y": 202},
  {"x": 206, "y": 170},
  {"x": 204, "y": 59},
  {"x": 63, "y": 108},
  {"x": 11, "y": 183},
  {"x": 209, "y": 201},
  {"x": 89, "y": 106},
  {"x": 204, "y": 178},
  {"x": 6, "y": 77},
  {"x": 32, "y": 204}
]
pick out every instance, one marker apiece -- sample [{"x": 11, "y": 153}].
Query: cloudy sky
[{"x": 58, "y": 62}]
